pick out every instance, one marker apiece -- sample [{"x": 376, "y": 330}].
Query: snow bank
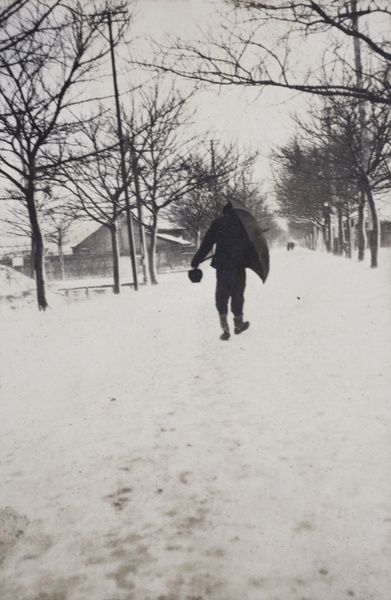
[
  {"x": 18, "y": 291},
  {"x": 12, "y": 282}
]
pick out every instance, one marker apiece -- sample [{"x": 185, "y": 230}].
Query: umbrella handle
[{"x": 210, "y": 256}]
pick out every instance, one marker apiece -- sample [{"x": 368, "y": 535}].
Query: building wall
[
  {"x": 92, "y": 257},
  {"x": 99, "y": 243},
  {"x": 385, "y": 235}
]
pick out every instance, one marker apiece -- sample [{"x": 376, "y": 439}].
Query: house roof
[
  {"x": 82, "y": 230},
  {"x": 173, "y": 238}
]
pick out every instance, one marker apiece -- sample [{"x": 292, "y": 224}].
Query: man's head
[{"x": 227, "y": 208}]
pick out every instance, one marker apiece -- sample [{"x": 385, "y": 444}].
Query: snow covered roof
[
  {"x": 80, "y": 231},
  {"x": 173, "y": 238}
]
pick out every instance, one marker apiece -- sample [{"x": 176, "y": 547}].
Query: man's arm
[{"x": 206, "y": 245}]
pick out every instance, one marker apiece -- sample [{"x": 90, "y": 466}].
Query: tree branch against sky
[
  {"x": 159, "y": 139},
  {"x": 277, "y": 45},
  {"x": 220, "y": 172},
  {"x": 30, "y": 19}
]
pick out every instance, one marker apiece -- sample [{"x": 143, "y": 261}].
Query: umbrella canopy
[{"x": 257, "y": 257}]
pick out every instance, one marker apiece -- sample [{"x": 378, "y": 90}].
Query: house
[{"x": 92, "y": 251}]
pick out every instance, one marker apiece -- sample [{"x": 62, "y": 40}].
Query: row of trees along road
[
  {"x": 355, "y": 64},
  {"x": 323, "y": 168},
  {"x": 161, "y": 165}
]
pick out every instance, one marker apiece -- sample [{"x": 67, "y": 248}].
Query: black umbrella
[{"x": 257, "y": 256}]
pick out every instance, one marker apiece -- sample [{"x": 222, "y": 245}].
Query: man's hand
[{"x": 194, "y": 263}]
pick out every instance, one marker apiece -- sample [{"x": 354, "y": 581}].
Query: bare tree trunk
[
  {"x": 143, "y": 241},
  {"x": 61, "y": 260},
  {"x": 144, "y": 258},
  {"x": 115, "y": 250},
  {"x": 374, "y": 232},
  {"x": 341, "y": 236},
  {"x": 327, "y": 232},
  {"x": 152, "y": 253},
  {"x": 32, "y": 272},
  {"x": 361, "y": 231},
  {"x": 350, "y": 248},
  {"x": 39, "y": 251},
  {"x": 363, "y": 141}
]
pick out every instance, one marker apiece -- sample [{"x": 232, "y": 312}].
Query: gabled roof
[{"x": 82, "y": 230}]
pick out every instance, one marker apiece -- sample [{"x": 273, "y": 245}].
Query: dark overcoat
[
  {"x": 234, "y": 248},
  {"x": 229, "y": 235}
]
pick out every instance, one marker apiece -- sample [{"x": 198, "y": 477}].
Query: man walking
[{"x": 233, "y": 247}]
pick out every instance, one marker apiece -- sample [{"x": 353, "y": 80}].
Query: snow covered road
[{"x": 144, "y": 459}]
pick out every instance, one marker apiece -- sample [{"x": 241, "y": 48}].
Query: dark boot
[
  {"x": 225, "y": 327},
  {"x": 240, "y": 325}
]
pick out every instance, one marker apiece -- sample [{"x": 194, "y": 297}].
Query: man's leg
[
  {"x": 223, "y": 292},
  {"x": 238, "y": 287},
  {"x": 237, "y": 300}
]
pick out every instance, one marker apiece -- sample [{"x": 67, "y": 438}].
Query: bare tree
[
  {"x": 227, "y": 173},
  {"x": 96, "y": 182},
  {"x": 58, "y": 218},
  {"x": 248, "y": 191},
  {"x": 194, "y": 210},
  {"x": 15, "y": 221},
  {"x": 55, "y": 215},
  {"x": 211, "y": 167},
  {"x": 37, "y": 101},
  {"x": 160, "y": 143}
]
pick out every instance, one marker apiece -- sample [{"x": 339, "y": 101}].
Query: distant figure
[
  {"x": 230, "y": 259},
  {"x": 290, "y": 246}
]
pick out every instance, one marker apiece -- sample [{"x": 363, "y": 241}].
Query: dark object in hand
[{"x": 195, "y": 275}]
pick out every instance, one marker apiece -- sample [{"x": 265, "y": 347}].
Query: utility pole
[{"x": 129, "y": 219}]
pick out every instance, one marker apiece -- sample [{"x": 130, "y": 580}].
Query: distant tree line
[{"x": 333, "y": 165}]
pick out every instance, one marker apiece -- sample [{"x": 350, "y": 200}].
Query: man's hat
[{"x": 195, "y": 275}]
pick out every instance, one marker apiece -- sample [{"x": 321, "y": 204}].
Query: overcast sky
[{"x": 242, "y": 114}]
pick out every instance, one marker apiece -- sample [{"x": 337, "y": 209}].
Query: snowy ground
[{"x": 144, "y": 459}]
